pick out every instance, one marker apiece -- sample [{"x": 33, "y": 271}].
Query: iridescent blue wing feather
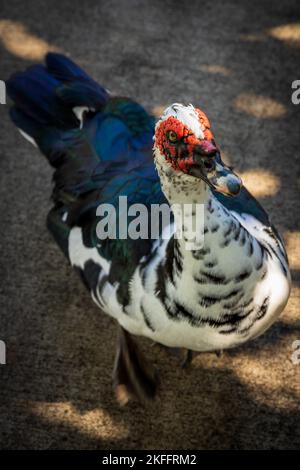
[{"x": 110, "y": 156}]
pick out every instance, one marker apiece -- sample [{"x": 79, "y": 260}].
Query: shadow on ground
[{"x": 56, "y": 388}]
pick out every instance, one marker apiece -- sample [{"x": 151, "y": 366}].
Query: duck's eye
[{"x": 172, "y": 136}]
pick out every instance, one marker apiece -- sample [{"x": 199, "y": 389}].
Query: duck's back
[{"x": 101, "y": 149}]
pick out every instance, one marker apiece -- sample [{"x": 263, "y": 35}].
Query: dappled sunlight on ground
[
  {"x": 20, "y": 42},
  {"x": 260, "y": 183},
  {"x": 259, "y": 106},
  {"x": 292, "y": 240},
  {"x": 264, "y": 379},
  {"x": 216, "y": 69},
  {"x": 96, "y": 423},
  {"x": 288, "y": 33},
  {"x": 256, "y": 367},
  {"x": 291, "y": 313}
]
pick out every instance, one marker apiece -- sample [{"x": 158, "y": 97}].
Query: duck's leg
[
  {"x": 133, "y": 376},
  {"x": 183, "y": 354},
  {"x": 189, "y": 356}
]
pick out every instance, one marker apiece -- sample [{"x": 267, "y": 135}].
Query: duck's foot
[{"x": 133, "y": 376}]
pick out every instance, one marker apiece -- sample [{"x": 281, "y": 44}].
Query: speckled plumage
[{"x": 216, "y": 296}]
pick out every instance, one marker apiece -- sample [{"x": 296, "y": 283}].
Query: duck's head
[{"x": 184, "y": 145}]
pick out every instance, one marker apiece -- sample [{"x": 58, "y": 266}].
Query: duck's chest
[{"x": 217, "y": 295}]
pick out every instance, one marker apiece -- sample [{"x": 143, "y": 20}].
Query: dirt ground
[{"x": 237, "y": 61}]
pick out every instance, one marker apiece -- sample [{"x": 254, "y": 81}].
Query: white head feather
[{"x": 187, "y": 115}]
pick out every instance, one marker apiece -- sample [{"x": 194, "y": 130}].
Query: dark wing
[{"x": 108, "y": 157}]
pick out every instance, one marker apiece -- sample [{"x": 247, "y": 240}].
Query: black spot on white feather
[
  {"x": 212, "y": 278},
  {"x": 215, "y": 228},
  {"x": 250, "y": 248},
  {"x": 263, "y": 309},
  {"x": 210, "y": 264},
  {"x": 207, "y": 301},
  {"x": 242, "y": 276},
  {"x": 146, "y": 319},
  {"x": 225, "y": 243}
]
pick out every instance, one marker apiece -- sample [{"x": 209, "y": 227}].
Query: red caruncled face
[{"x": 177, "y": 142}]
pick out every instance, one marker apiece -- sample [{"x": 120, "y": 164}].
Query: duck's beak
[
  {"x": 209, "y": 166},
  {"x": 225, "y": 180}
]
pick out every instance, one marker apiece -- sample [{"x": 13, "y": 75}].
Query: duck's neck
[{"x": 189, "y": 199}]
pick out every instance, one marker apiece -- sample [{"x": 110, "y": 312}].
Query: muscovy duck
[{"x": 222, "y": 292}]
